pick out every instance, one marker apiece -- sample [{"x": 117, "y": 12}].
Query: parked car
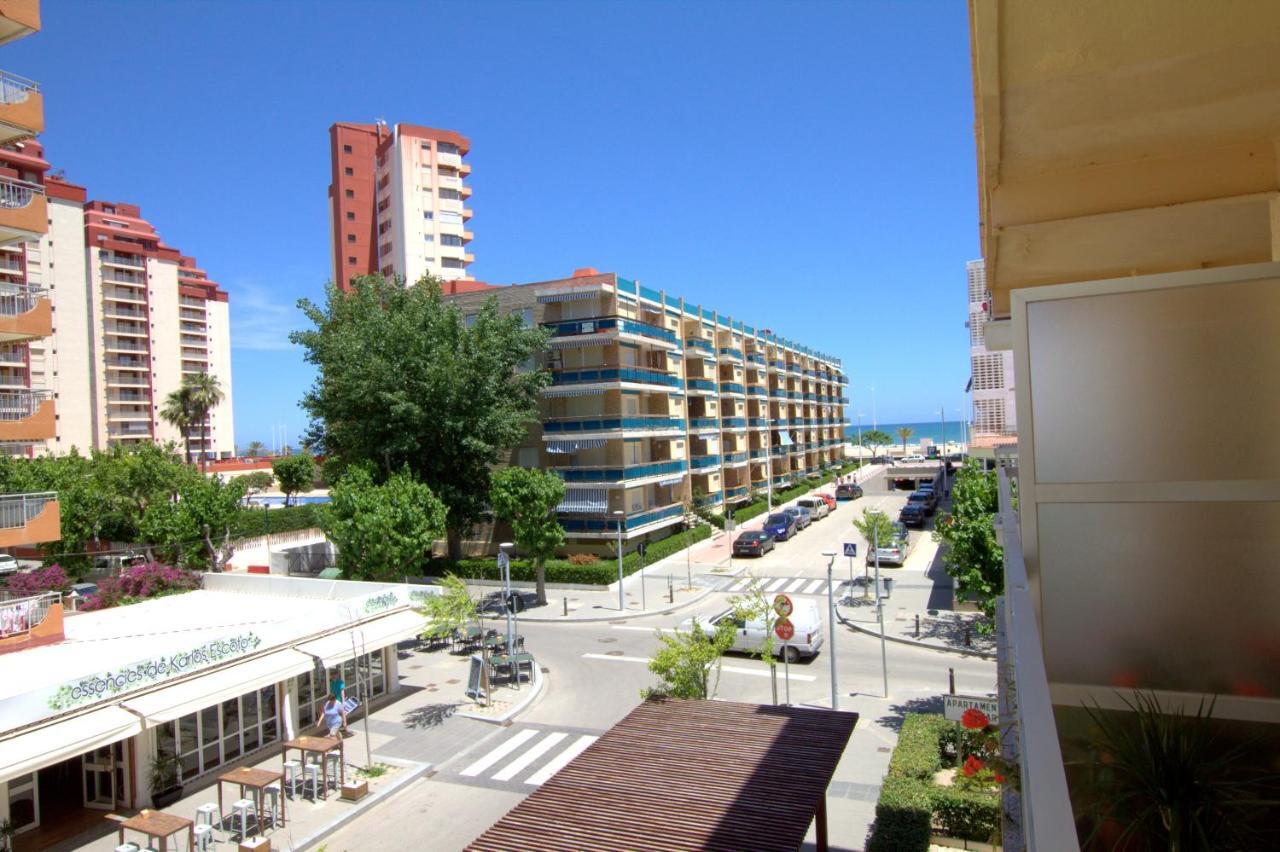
[
  {"x": 816, "y": 505},
  {"x": 900, "y": 531},
  {"x": 848, "y": 491},
  {"x": 926, "y": 486},
  {"x": 912, "y": 459},
  {"x": 891, "y": 553},
  {"x": 926, "y": 498},
  {"x": 85, "y": 589},
  {"x": 8, "y": 564},
  {"x": 749, "y": 635},
  {"x": 781, "y": 526},
  {"x": 829, "y": 499},
  {"x": 801, "y": 514},
  {"x": 913, "y": 515},
  {"x": 753, "y": 543}
]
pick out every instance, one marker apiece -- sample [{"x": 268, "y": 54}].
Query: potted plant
[{"x": 165, "y": 783}]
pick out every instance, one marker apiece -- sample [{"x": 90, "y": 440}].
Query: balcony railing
[
  {"x": 704, "y": 423},
  {"x": 777, "y": 393},
  {"x": 17, "y": 194},
  {"x": 608, "y": 524},
  {"x": 699, "y": 343},
  {"x": 757, "y": 391},
  {"x": 607, "y": 324},
  {"x": 731, "y": 352},
  {"x": 732, "y": 387},
  {"x": 17, "y": 510},
  {"x": 701, "y": 384},
  {"x": 18, "y": 299},
  {"x": 617, "y": 474},
  {"x": 19, "y": 614},
  {"x": 624, "y": 374},
  {"x": 758, "y": 454},
  {"x": 734, "y": 458},
  {"x": 756, "y": 359},
  {"x": 734, "y": 422},
  {"x": 733, "y": 493},
  {"x": 758, "y": 422},
  {"x": 15, "y": 89},
  {"x": 21, "y": 404},
  {"x": 704, "y": 462},
  {"x": 609, "y": 423}
]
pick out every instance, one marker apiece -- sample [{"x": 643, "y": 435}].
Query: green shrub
[
  {"x": 919, "y": 750},
  {"x": 967, "y": 814},
  {"x": 750, "y": 510},
  {"x": 248, "y": 523},
  {"x": 904, "y": 816}
]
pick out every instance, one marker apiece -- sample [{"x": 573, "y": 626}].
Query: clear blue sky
[{"x": 806, "y": 166}]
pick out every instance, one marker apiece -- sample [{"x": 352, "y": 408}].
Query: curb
[
  {"x": 623, "y": 616},
  {"x": 912, "y": 642},
  {"x": 535, "y": 691},
  {"x": 416, "y": 771}
]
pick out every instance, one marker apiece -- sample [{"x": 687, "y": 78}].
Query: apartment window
[
  {"x": 527, "y": 457},
  {"x": 452, "y": 263},
  {"x": 470, "y": 319},
  {"x": 988, "y": 371},
  {"x": 386, "y": 179},
  {"x": 346, "y": 149},
  {"x": 450, "y": 240},
  {"x": 446, "y": 148},
  {"x": 348, "y": 171},
  {"x": 450, "y": 194},
  {"x": 351, "y": 217},
  {"x": 385, "y": 250},
  {"x": 428, "y": 215},
  {"x": 351, "y": 261},
  {"x": 351, "y": 238},
  {"x": 426, "y": 146},
  {"x": 382, "y": 160},
  {"x": 349, "y": 193},
  {"x": 431, "y": 238},
  {"x": 383, "y": 205},
  {"x": 450, "y": 217},
  {"x": 387, "y": 271},
  {"x": 384, "y": 227}
]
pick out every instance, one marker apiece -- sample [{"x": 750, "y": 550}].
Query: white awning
[
  {"x": 38, "y": 747},
  {"x": 555, "y": 445},
  {"x": 671, "y": 480},
  {"x": 583, "y": 500},
  {"x": 212, "y": 687},
  {"x": 366, "y": 638},
  {"x": 570, "y": 295},
  {"x": 785, "y": 437}
]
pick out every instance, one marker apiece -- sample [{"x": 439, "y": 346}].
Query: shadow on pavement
[
  {"x": 893, "y": 720},
  {"x": 428, "y": 716}
]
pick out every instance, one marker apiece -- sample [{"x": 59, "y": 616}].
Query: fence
[{"x": 18, "y": 615}]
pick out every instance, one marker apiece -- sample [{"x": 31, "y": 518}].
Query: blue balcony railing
[
  {"x": 732, "y": 387},
  {"x": 757, "y": 359},
  {"x": 778, "y": 365},
  {"x": 734, "y": 458},
  {"x": 701, "y": 384},
  {"x": 608, "y": 324},
  {"x": 704, "y": 423},
  {"x": 704, "y": 462},
  {"x": 731, "y": 352},
  {"x": 778, "y": 393},
  {"x": 758, "y": 421},
  {"x": 603, "y": 424},
  {"x": 735, "y": 422},
  {"x": 709, "y": 500},
  {"x": 601, "y": 524},
  {"x": 609, "y": 374},
  {"x": 617, "y": 474},
  {"x": 699, "y": 343},
  {"x": 734, "y": 493},
  {"x": 757, "y": 391}
]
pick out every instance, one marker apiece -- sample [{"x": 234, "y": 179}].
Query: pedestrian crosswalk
[
  {"x": 779, "y": 585},
  {"x": 527, "y": 757}
]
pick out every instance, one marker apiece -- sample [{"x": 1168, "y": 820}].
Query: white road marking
[
  {"x": 734, "y": 669},
  {"x": 773, "y": 584},
  {"x": 544, "y": 774},
  {"x": 737, "y": 585},
  {"x": 524, "y": 761},
  {"x": 620, "y": 659},
  {"x": 643, "y": 629},
  {"x": 498, "y": 753},
  {"x": 808, "y": 589},
  {"x": 794, "y": 585}
]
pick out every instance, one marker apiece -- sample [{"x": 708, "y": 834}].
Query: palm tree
[
  {"x": 255, "y": 449},
  {"x": 905, "y": 432},
  {"x": 205, "y": 395},
  {"x": 180, "y": 413}
]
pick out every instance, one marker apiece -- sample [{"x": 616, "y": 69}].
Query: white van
[
  {"x": 749, "y": 635},
  {"x": 816, "y": 506}
]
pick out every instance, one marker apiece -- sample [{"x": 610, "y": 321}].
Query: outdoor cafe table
[
  {"x": 158, "y": 824},
  {"x": 256, "y": 780},
  {"x": 320, "y": 746}
]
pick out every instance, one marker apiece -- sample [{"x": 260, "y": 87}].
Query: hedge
[
  {"x": 249, "y": 523},
  {"x": 911, "y": 804}
]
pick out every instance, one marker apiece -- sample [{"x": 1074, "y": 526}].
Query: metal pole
[
  {"x": 786, "y": 670},
  {"x": 884, "y": 655},
  {"x": 943, "y": 411},
  {"x": 505, "y": 548},
  {"x": 622, "y": 604},
  {"x": 644, "y": 605},
  {"x": 860, "y": 447},
  {"x": 831, "y": 616}
]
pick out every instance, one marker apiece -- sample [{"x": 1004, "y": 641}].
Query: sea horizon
[{"x": 955, "y": 431}]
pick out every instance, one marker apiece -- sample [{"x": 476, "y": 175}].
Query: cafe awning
[
  {"x": 366, "y": 637},
  {"x": 213, "y": 686},
  {"x": 33, "y": 748}
]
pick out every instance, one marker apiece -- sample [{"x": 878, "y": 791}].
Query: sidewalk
[{"x": 922, "y": 590}]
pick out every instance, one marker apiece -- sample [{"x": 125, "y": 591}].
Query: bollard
[
  {"x": 968, "y": 637},
  {"x": 566, "y": 607},
  {"x": 917, "y": 625},
  {"x": 951, "y": 677},
  {"x": 671, "y": 590}
]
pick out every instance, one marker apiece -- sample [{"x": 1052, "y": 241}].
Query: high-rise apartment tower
[{"x": 398, "y": 202}]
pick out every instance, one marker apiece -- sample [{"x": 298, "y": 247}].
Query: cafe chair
[
  {"x": 240, "y": 810},
  {"x": 271, "y": 795},
  {"x": 293, "y": 776},
  {"x": 204, "y": 838}
]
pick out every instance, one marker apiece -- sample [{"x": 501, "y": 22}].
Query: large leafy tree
[
  {"x": 193, "y": 530},
  {"x": 255, "y": 449},
  {"x": 972, "y": 556},
  {"x": 382, "y": 531},
  {"x": 296, "y": 474},
  {"x": 873, "y": 438},
  {"x": 527, "y": 499},
  {"x": 451, "y": 610},
  {"x": 406, "y": 384}
]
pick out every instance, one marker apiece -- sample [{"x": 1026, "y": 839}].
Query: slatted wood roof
[{"x": 677, "y": 774}]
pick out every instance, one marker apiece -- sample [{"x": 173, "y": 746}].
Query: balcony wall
[
  {"x": 21, "y": 109},
  {"x": 27, "y": 219},
  {"x": 38, "y": 425},
  {"x": 18, "y": 18},
  {"x": 25, "y": 316},
  {"x": 32, "y": 526}
]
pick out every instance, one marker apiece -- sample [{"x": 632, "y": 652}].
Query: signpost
[
  {"x": 504, "y": 569},
  {"x": 851, "y": 550},
  {"x": 784, "y": 630},
  {"x": 953, "y": 707}
]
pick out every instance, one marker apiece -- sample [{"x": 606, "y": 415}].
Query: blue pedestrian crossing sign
[{"x": 850, "y": 548}]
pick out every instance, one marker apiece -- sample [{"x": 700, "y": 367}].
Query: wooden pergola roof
[{"x": 677, "y": 774}]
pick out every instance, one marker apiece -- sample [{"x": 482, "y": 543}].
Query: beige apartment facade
[{"x": 1130, "y": 208}]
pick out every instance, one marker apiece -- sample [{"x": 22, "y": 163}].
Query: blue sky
[{"x": 805, "y": 166}]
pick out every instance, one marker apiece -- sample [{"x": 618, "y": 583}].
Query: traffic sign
[
  {"x": 504, "y": 561},
  {"x": 850, "y": 548},
  {"x": 784, "y": 629},
  {"x": 782, "y": 606}
]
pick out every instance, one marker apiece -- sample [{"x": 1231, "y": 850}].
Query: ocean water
[{"x": 955, "y": 431}]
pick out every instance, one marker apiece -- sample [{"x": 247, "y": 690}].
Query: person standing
[
  {"x": 335, "y": 718},
  {"x": 337, "y": 686}
]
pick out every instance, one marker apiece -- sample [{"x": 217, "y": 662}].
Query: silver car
[{"x": 816, "y": 505}]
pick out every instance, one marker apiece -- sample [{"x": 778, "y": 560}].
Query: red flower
[
  {"x": 1124, "y": 679},
  {"x": 999, "y": 778},
  {"x": 974, "y": 719},
  {"x": 972, "y": 766}
]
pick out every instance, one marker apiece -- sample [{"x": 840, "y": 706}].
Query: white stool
[
  {"x": 311, "y": 775},
  {"x": 293, "y": 776},
  {"x": 271, "y": 797},
  {"x": 204, "y": 837},
  {"x": 127, "y": 847},
  {"x": 240, "y": 810},
  {"x": 333, "y": 763},
  {"x": 207, "y": 814}
]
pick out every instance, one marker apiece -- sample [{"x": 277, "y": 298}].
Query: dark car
[
  {"x": 927, "y": 499},
  {"x": 801, "y": 514},
  {"x": 913, "y": 515},
  {"x": 781, "y": 526},
  {"x": 848, "y": 491},
  {"x": 753, "y": 543}
]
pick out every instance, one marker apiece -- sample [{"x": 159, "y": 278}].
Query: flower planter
[
  {"x": 354, "y": 791},
  {"x": 165, "y": 798}
]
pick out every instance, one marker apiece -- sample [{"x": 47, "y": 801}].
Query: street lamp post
[
  {"x": 505, "y": 550},
  {"x": 860, "y": 447},
  {"x": 831, "y": 618},
  {"x": 619, "y": 516},
  {"x": 942, "y": 412},
  {"x": 884, "y": 655}
]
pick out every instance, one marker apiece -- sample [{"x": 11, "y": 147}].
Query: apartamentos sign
[{"x": 953, "y": 707}]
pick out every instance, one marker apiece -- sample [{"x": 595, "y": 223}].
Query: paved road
[{"x": 596, "y": 671}]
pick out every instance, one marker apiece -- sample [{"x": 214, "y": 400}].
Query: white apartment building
[
  {"x": 131, "y": 317},
  {"x": 991, "y": 373},
  {"x": 398, "y": 202}
]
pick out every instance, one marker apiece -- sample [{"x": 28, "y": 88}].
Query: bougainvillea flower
[
  {"x": 974, "y": 719},
  {"x": 972, "y": 766}
]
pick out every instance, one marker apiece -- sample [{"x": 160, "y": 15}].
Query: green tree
[
  {"x": 527, "y": 499},
  {"x": 873, "y": 438},
  {"x": 382, "y": 531},
  {"x": 183, "y": 530},
  {"x": 405, "y": 383},
  {"x": 296, "y": 474},
  {"x": 255, "y": 482},
  {"x": 875, "y": 526},
  {"x": 178, "y": 411},
  {"x": 904, "y": 434},
  {"x": 685, "y": 662},
  {"x": 452, "y": 610},
  {"x": 189, "y": 407},
  {"x": 256, "y": 449},
  {"x": 972, "y": 556}
]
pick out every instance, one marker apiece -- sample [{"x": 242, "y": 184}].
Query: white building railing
[
  {"x": 16, "y": 194},
  {"x": 19, "y": 614},
  {"x": 17, "y": 299},
  {"x": 15, "y": 89},
  {"x": 17, "y": 509},
  {"x": 1030, "y": 736},
  {"x": 19, "y": 404}
]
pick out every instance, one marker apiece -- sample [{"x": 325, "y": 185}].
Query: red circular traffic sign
[
  {"x": 784, "y": 629},
  {"x": 782, "y": 606}
]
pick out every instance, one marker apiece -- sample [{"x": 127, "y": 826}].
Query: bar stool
[
  {"x": 271, "y": 795},
  {"x": 240, "y": 810},
  {"x": 207, "y": 814},
  {"x": 311, "y": 775},
  {"x": 334, "y": 758},
  {"x": 293, "y": 776},
  {"x": 204, "y": 837},
  {"x": 127, "y": 847}
]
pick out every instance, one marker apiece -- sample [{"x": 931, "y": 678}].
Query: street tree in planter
[
  {"x": 382, "y": 532},
  {"x": 405, "y": 383},
  {"x": 686, "y": 661},
  {"x": 296, "y": 474},
  {"x": 972, "y": 557},
  {"x": 527, "y": 499}
]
